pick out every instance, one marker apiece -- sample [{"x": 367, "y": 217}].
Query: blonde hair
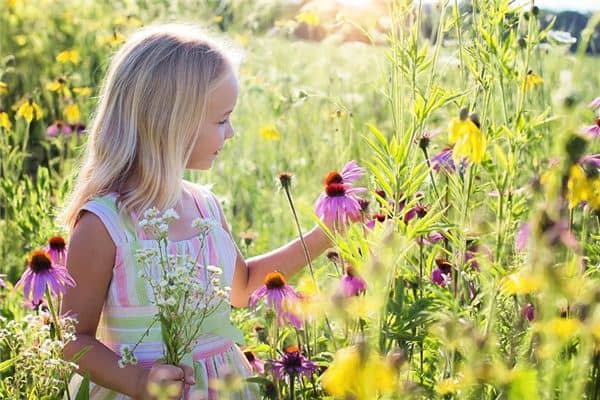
[{"x": 151, "y": 105}]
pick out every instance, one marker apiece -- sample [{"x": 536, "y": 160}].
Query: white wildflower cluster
[
  {"x": 127, "y": 357},
  {"x": 37, "y": 366},
  {"x": 184, "y": 292},
  {"x": 156, "y": 224}
]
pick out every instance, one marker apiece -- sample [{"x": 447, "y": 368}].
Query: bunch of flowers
[{"x": 185, "y": 292}]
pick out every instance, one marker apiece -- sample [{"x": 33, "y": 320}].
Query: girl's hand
[{"x": 166, "y": 378}]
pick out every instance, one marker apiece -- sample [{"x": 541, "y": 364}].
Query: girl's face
[{"x": 216, "y": 128}]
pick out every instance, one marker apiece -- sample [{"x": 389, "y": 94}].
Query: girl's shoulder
[{"x": 206, "y": 197}]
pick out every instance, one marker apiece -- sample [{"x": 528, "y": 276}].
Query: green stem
[
  {"x": 53, "y": 312},
  {"x": 304, "y": 247}
]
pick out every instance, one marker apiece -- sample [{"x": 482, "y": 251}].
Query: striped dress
[{"x": 128, "y": 309}]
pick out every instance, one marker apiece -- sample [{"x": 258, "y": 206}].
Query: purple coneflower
[
  {"x": 351, "y": 172},
  {"x": 41, "y": 272},
  {"x": 595, "y": 104},
  {"x": 351, "y": 284},
  {"x": 292, "y": 363},
  {"x": 339, "y": 203},
  {"x": 593, "y": 130},
  {"x": 442, "y": 274},
  {"x": 522, "y": 236},
  {"x": 376, "y": 218},
  {"x": 417, "y": 211},
  {"x": 57, "y": 248},
  {"x": 277, "y": 292},
  {"x": 443, "y": 160},
  {"x": 58, "y": 128},
  {"x": 528, "y": 312},
  {"x": 592, "y": 161},
  {"x": 258, "y": 365},
  {"x": 430, "y": 238}
]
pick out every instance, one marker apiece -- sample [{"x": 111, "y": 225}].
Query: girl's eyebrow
[{"x": 227, "y": 112}]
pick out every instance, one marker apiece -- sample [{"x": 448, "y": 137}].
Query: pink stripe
[
  {"x": 199, "y": 355},
  {"x": 212, "y": 253},
  {"x": 120, "y": 278},
  {"x": 199, "y": 204},
  {"x": 212, "y": 375}
]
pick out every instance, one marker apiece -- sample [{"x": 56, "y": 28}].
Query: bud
[
  {"x": 535, "y": 10},
  {"x": 463, "y": 114},
  {"x": 575, "y": 147},
  {"x": 522, "y": 42},
  {"x": 474, "y": 117},
  {"x": 285, "y": 178}
]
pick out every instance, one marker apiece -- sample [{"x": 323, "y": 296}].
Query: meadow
[{"x": 474, "y": 272}]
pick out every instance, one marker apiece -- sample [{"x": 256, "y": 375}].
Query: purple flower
[
  {"x": 443, "y": 160},
  {"x": 528, "y": 312},
  {"x": 592, "y": 161},
  {"x": 351, "y": 284},
  {"x": 2, "y": 283},
  {"x": 57, "y": 248},
  {"x": 523, "y": 237},
  {"x": 41, "y": 272},
  {"x": 293, "y": 363},
  {"x": 443, "y": 273},
  {"x": 430, "y": 238},
  {"x": 351, "y": 172},
  {"x": 376, "y": 218},
  {"x": 417, "y": 211},
  {"x": 57, "y": 128},
  {"x": 258, "y": 365},
  {"x": 594, "y": 130},
  {"x": 339, "y": 203},
  {"x": 595, "y": 104},
  {"x": 278, "y": 293}
]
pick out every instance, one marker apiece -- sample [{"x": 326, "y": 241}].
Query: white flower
[
  {"x": 170, "y": 215},
  {"x": 204, "y": 226},
  {"x": 171, "y": 301},
  {"x": 214, "y": 270}
]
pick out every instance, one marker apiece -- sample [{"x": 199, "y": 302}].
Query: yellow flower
[
  {"x": 82, "y": 91},
  {"x": 270, "y": 133},
  {"x": 242, "y": 39},
  {"x": 350, "y": 376},
  {"x": 71, "y": 113},
  {"x": 594, "y": 199},
  {"x": 532, "y": 80},
  {"x": 521, "y": 283},
  {"x": 66, "y": 56},
  {"x": 3, "y": 88},
  {"x": 447, "y": 386},
  {"x": 308, "y": 17},
  {"x": 59, "y": 85},
  {"x": 217, "y": 19},
  {"x": 113, "y": 40},
  {"x": 578, "y": 187},
  {"x": 471, "y": 146},
  {"x": 564, "y": 328},
  {"x": 5, "y": 121},
  {"x": 21, "y": 40},
  {"x": 29, "y": 110}
]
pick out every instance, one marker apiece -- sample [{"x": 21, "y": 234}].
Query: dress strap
[{"x": 104, "y": 207}]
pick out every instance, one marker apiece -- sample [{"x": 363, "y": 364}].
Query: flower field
[{"x": 471, "y": 265}]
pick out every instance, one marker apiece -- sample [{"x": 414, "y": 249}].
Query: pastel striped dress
[{"x": 128, "y": 309}]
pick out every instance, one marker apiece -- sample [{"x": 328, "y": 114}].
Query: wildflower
[
  {"x": 3, "y": 88},
  {"x": 443, "y": 160},
  {"x": 2, "y": 283},
  {"x": 248, "y": 237},
  {"x": 339, "y": 203},
  {"x": 593, "y": 130},
  {"x": 532, "y": 80},
  {"x": 66, "y": 56},
  {"x": 270, "y": 133},
  {"x": 82, "y": 91},
  {"x": 59, "y": 128},
  {"x": 528, "y": 312},
  {"x": 72, "y": 113},
  {"x": 285, "y": 178},
  {"x": 351, "y": 172},
  {"x": 419, "y": 211},
  {"x": 521, "y": 283},
  {"x": 57, "y": 249},
  {"x": 59, "y": 85},
  {"x": 41, "y": 272},
  {"x": 376, "y": 218},
  {"x": 277, "y": 293},
  {"x": 293, "y": 363},
  {"x": 308, "y": 17},
  {"x": 595, "y": 104},
  {"x": 4, "y": 120},
  {"x": 430, "y": 238},
  {"x": 442, "y": 274},
  {"x": 29, "y": 111},
  {"x": 465, "y": 133},
  {"x": 258, "y": 365},
  {"x": 578, "y": 189},
  {"x": 522, "y": 237},
  {"x": 357, "y": 375},
  {"x": 351, "y": 284}
]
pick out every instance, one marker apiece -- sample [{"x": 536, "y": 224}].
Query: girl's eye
[{"x": 223, "y": 122}]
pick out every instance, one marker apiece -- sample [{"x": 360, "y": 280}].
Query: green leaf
[{"x": 84, "y": 390}]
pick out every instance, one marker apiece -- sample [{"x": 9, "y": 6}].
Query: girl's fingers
[{"x": 189, "y": 374}]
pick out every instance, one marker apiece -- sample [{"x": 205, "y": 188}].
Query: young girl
[{"x": 164, "y": 108}]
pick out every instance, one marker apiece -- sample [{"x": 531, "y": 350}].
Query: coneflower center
[
  {"x": 598, "y": 121},
  {"x": 333, "y": 177},
  {"x": 57, "y": 243},
  {"x": 250, "y": 356},
  {"x": 40, "y": 261},
  {"x": 274, "y": 280},
  {"x": 335, "y": 190}
]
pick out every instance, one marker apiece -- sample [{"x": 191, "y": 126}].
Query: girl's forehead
[{"x": 224, "y": 95}]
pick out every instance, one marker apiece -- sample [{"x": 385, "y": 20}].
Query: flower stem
[
  {"x": 304, "y": 247},
  {"x": 53, "y": 312}
]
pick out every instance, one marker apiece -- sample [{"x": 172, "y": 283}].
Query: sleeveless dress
[{"x": 128, "y": 309}]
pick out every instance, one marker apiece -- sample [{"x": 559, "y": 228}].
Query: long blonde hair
[{"x": 151, "y": 104}]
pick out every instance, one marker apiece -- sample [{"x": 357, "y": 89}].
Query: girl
[{"x": 164, "y": 107}]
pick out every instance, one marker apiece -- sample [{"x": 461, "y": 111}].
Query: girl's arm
[
  {"x": 289, "y": 259},
  {"x": 90, "y": 261}
]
